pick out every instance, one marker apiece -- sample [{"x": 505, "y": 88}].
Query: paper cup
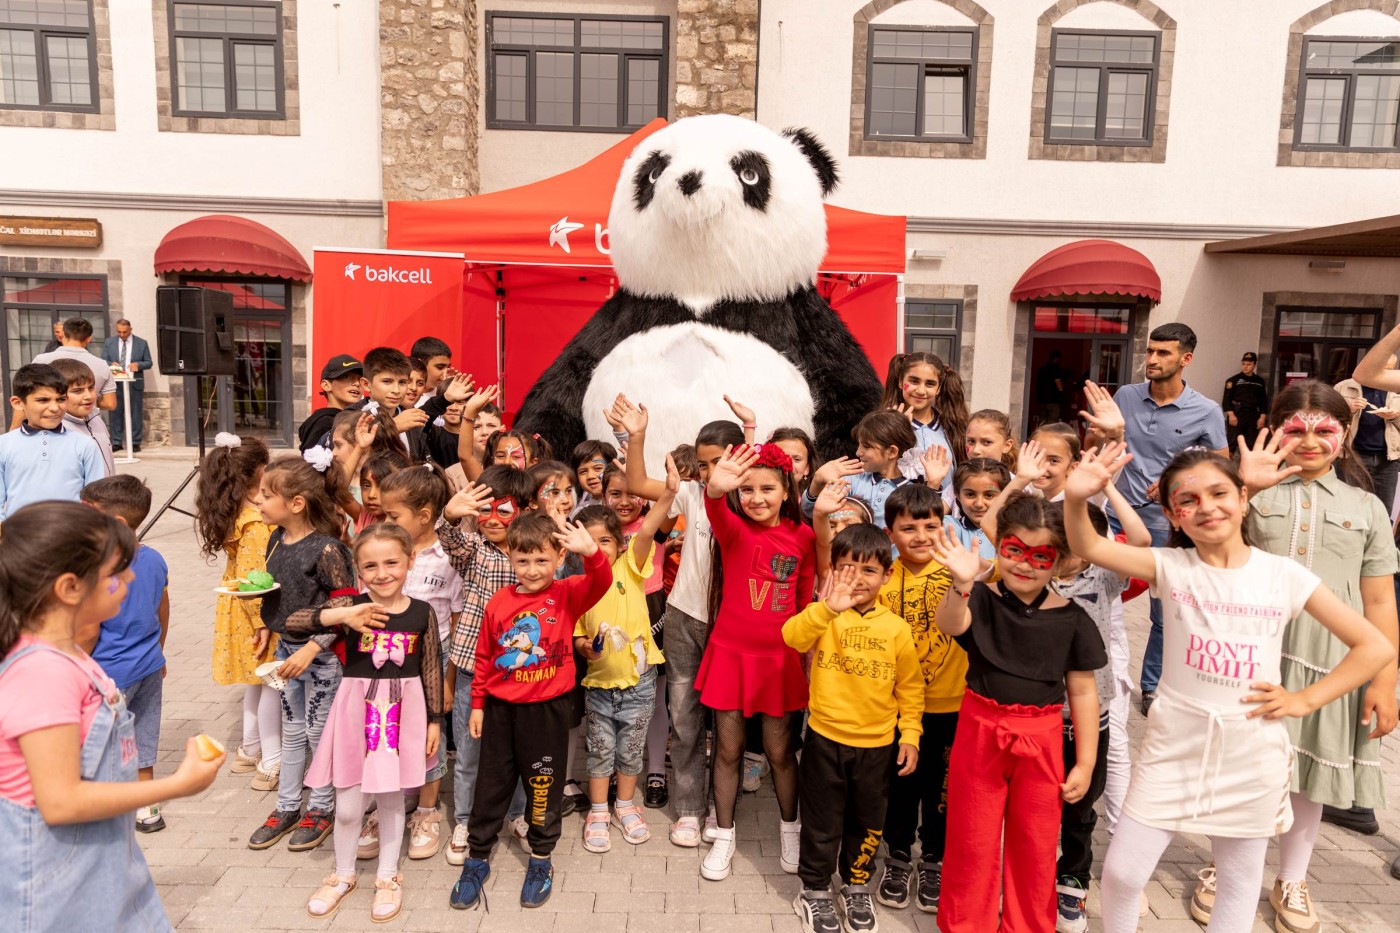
[{"x": 269, "y": 675}]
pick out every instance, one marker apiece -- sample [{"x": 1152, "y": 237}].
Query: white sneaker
[
  {"x": 519, "y": 829},
  {"x": 790, "y": 837},
  {"x": 457, "y": 848},
  {"x": 715, "y": 865}
]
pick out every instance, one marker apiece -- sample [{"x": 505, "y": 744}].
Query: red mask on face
[
  {"x": 503, "y": 510},
  {"x": 1014, "y": 549}
]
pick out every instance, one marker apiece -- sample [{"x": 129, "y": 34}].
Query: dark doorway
[{"x": 1069, "y": 345}]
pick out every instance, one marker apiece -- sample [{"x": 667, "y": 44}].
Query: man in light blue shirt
[
  {"x": 1162, "y": 416},
  {"x": 41, "y": 459}
]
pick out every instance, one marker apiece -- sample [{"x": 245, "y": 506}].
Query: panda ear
[{"x": 822, "y": 163}]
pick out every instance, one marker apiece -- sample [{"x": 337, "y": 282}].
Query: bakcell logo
[
  {"x": 423, "y": 276},
  {"x": 559, "y": 235}
]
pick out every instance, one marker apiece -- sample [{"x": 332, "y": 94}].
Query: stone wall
[
  {"x": 429, "y": 94},
  {"x": 716, "y": 57}
]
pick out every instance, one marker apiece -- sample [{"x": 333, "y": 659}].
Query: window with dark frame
[
  {"x": 920, "y": 83},
  {"x": 48, "y": 55},
  {"x": 226, "y": 58},
  {"x": 1321, "y": 342},
  {"x": 32, "y": 304},
  {"x": 1102, "y": 88},
  {"x": 1349, "y": 95},
  {"x": 934, "y": 326},
  {"x": 587, "y": 73}
]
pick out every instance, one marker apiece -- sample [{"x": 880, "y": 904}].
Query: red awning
[
  {"x": 1090, "y": 267},
  {"x": 231, "y": 245}
]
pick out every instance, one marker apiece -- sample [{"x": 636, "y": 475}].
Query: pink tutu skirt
[
  {"x": 379, "y": 744},
  {"x": 765, "y": 682}
]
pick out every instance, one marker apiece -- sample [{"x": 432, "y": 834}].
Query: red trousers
[{"x": 1004, "y": 777}]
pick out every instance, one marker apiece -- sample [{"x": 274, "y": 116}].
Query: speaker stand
[{"x": 169, "y": 505}]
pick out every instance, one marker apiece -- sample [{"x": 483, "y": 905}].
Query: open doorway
[{"x": 1071, "y": 344}]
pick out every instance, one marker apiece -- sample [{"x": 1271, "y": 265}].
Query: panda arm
[{"x": 843, "y": 383}]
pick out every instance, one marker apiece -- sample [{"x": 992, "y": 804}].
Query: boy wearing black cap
[
  {"x": 340, "y": 386},
  {"x": 1246, "y": 402}
]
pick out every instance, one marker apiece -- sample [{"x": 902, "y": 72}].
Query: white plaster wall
[
  {"x": 517, "y": 157},
  {"x": 336, "y": 155},
  {"x": 1222, "y": 138}
]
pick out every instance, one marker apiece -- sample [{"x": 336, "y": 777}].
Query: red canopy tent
[{"x": 536, "y": 267}]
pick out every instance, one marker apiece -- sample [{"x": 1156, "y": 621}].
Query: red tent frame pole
[{"x": 501, "y": 335}]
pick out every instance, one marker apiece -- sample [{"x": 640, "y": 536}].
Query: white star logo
[
  {"x": 350, "y": 268},
  {"x": 559, "y": 233}
]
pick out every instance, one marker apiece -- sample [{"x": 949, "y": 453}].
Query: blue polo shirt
[
  {"x": 38, "y": 464},
  {"x": 928, "y": 435},
  {"x": 128, "y": 644},
  {"x": 869, "y": 488},
  {"x": 1156, "y": 433}
]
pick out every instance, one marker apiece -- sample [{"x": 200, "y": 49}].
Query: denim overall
[{"x": 82, "y": 876}]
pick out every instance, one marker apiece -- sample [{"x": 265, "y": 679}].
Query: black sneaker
[
  {"x": 1357, "y": 819},
  {"x": 1148, "y": 698},
  {"x": 894, "y": 884},
  {"x": 857, "y": 909},
  {"x": 657, "y": 794},
  {"x": 1395, "y": 868},
  {"x": 573, "y": 799},
  {"x": 312, "y": 830},
  {"x": 817, "y": 911},
  {"x": 278, "y": 825},
  {"x": 929, "y": 887}
]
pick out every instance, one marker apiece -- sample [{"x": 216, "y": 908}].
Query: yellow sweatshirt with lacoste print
[
  {"x": 866, "y": 679},
  {"x": 915, "y": 595}
]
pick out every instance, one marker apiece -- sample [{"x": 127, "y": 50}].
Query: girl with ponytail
[
  {"x": 68, "y": 787},
  {"x": 931, "y": 393}
]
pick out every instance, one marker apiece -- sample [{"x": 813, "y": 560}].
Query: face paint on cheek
[{"x": 113, "y": 584}]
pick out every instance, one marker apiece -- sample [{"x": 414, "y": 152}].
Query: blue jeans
[
  {"x": 1156, "y": 522},
  {"x": 617, "y": 720},
  {"x": 143, "y": 700},
  {"x": 306, "y": 704},
  {"x": 468, "y": 760}
]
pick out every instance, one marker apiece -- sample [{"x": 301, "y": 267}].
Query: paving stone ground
[{"x": 210, "y": 880}]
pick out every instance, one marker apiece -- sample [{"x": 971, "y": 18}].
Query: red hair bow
[{"x": 773, "y": 457}]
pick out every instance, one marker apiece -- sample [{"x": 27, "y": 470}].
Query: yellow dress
[{"x": 237, "y": 620}]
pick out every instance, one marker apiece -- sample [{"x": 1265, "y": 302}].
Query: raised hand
[
  {"x": 479, "y": 399},
  {"x": 741, "y": 411},
  {"x": 611, "y": 416},
  {"x": 633, "y": 418},
  {"x": 842, "y": 594},
  {"x": 1096, "y": 470},
  {"x": 673, "y": 480},
  {"x": 576, "y": 538},
  {"x": 727, "y": 475},
  {"x": 1030, "y": 463},
  {"x": 1261, "y": 466},
  {"x": 470, "y": 500},
  {"x": 830, "y": 498},
  {"x": 366, "y": 429},
  {"x": 835, "y": 470},
  {"x": 1103, "y": 416},
  {"x": 410, "y": 418},
  {"x": 936, "y": 464},
  {"x": 963, "y": 565},
  {"x": 457, "y": 387},
  {"x": 903, "y": 409}
]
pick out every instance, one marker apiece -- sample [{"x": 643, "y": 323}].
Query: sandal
[
  {"x": 597, "y": 836},
  {"x": 388, "y": 893},
  {"x": 329, "y": 896},
  {"x": 685, "y": 832},
  {"x": 632, "y": 823}
]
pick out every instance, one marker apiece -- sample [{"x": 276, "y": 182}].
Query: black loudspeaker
[{"x": 194, "y": 331}]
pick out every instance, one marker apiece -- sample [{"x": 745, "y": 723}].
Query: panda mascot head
[{"x": 717, "y": 230}]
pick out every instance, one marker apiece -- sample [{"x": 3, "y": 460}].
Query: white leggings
[
  {"x": 349, "y": 811},
  {"x": 1133, "y": 855},
  {"x": 1295, "y": 847},
  {"x": 262, "y": 724}
]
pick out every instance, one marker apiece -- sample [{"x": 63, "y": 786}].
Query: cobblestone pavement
[{"x": 209, "y": 879}]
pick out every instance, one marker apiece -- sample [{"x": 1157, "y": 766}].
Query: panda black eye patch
[
  {"x": 754, "y": 178},
  {"x": 644, "y": 182}
]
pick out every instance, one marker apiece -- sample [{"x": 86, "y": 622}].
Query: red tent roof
[
  {"x": 229, "y": 244},
  {"x": 561, "y": 220},
  {"x": 1090, "y": 267}
]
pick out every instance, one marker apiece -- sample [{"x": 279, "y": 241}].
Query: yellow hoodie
[
  {"x": 916, "y": 596},
  {"x": 865, "y": 675}
]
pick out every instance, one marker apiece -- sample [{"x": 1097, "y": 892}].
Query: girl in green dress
[{"x": 1323, "y": 515}]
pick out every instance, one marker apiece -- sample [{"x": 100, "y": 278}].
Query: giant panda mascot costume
[{"x": 716, "y": 229}]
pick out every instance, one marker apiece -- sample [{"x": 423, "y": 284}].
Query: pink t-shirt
[{"x": 41, "y": 690}]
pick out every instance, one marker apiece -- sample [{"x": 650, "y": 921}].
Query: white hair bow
[
  {"x": 320, "y": 458},
  {"x": 225, "y": 439},
  {"x": 372, "y": 407}
]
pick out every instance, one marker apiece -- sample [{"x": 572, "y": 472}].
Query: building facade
[{"x": 1002, "y": 129}]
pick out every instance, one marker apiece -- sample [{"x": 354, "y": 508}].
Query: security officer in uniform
[{"x": 1246, "y": 402}]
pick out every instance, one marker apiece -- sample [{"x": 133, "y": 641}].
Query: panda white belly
[{"x": 681, "y": 373}]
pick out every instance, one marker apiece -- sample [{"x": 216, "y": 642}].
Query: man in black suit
[{"x": 132, "y": 354}]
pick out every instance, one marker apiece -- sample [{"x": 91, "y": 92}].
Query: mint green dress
[{"x": 1341, "y": 534}]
